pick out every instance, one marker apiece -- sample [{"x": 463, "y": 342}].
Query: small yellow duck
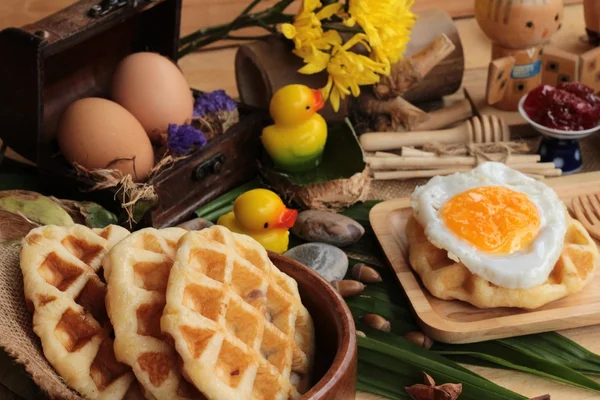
[
  {"x": 297, "y": 139},
  {"x": 260, "y": 214}
]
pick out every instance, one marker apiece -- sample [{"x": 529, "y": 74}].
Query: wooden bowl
[{"x": 334, "y": 373}]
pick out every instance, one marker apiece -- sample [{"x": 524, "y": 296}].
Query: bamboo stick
[
  {"x": 391, "y": 175},
  {"x": 532, "y": 167},
  {"x": 551, "y": 172},
  {"x": 536, "y": 176},
  {"x": 380, "y": 163},
  {"x": 384, "y": 154},
  {"x": 411, "y": 152}
]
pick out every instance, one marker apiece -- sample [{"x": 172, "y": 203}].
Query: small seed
[
  {"x": 419, "y": 338},
  {"x": 360, "y": 333},
  {"x": 348, "y": 288},
  {"x": 377, "y": 322},
  {"x": 365, "y": 274}
]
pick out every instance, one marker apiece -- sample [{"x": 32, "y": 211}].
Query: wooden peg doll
[
  {"x": 591, "y": 12},
  {"x": 518, "y": 29}
]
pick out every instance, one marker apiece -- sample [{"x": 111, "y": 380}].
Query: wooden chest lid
[{"x": 71, "y": 55}]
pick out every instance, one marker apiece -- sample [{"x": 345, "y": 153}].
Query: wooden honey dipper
[{"x": 484, "y": 129}]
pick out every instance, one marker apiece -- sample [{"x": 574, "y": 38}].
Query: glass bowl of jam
[{"x": 563, "y": 115}]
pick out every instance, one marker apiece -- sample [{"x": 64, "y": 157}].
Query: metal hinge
[
  {"x": 214, "y": 165},
  {"x": 106, "y": 7}
]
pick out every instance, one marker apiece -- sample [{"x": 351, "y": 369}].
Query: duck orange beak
[
  {"x": 319, "y": 102},
  {"x": 287, "y": 219}
]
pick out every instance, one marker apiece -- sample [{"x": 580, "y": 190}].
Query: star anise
[{"x": 429, "y": 391}]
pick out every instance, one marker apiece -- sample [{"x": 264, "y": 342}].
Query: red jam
[{"x": 571, "y": 106}]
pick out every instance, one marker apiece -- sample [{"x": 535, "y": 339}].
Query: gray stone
[
  {"x": 196, "y": 224},
  {"x": 329, "y": 261},
  {"x": 326, "y": 227}
]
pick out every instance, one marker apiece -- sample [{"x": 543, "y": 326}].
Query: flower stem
[
  {"x": 342, "y": 28},
  {"x": 267, "y": 19},
  {"x": 211, "y": 35},
  {"x": 241, "y": 37}
]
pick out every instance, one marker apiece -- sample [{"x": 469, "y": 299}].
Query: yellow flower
[
  {"x": 386, "y": 23},
  {"x": 348, "y": 71},
  {"x": 311, "y": 43}
]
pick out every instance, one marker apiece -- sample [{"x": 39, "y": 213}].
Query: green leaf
[
  {"x": 554, "y": 347},
  {"x": 372, "y": 305},
  {"x": 342, "y": 158},
  {"x": 224, "y": 203},
  {"x": 35, "y": 207},
  {"x": 360, "y": 212},
  {"x": 519, "y": 358},
  {"x": 97, "y": 216},
  {"x": 394, "y": 354}
]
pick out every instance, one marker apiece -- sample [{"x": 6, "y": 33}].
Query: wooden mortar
[{"x": 262, "y": 67}]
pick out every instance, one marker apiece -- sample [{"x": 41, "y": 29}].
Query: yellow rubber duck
[
  {"x": 260, "y": 214},
  {"x": 297, "y": 139}
]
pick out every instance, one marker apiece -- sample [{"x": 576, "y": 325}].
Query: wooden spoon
[{"x": 587, "y": 211}]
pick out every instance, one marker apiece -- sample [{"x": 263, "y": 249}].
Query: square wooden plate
[{"x": 454, "y": 321}]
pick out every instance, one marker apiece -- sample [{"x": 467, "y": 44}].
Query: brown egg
[
  {"x": 154, "y": 90},
  {"x": 95, "y": 133}
]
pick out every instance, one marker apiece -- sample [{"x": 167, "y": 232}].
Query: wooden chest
[{"x": 72, "y": 54}]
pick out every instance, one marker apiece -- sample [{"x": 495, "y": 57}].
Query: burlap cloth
[{"x": 16, "y": 333}]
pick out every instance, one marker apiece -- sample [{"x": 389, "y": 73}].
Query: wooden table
[{"x": 215, "y": 70}]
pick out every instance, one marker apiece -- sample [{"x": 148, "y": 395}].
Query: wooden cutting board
[{"x": 458, "y": 322}]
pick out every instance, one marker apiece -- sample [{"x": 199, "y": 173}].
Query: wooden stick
[
  {"x": 430, "y": 56},
  {"x": 380, "y": 163},
  {"x": 384, "y": 154},
  {"x": 551, "y": 172},
  {"x": 532, "y": 167},
  {"x": 411, "y": 152},
  {"x": 446, "y": 116},
  {"x": 390, "y": 175},
  {"x": 410, "y": 174},
  {"x": 536, "y": 176}
]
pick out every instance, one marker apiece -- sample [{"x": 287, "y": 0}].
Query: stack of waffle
[{"x": 193, "y": 315}]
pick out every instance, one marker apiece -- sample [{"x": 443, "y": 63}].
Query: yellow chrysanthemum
[
  {"x": 348, "y": 71},
  {"x": 311, "y": 43},
  {"x": 386, "y": 23}
]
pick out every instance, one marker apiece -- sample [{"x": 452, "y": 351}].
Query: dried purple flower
[
  {"x": 212, "y": 103},
  {"x": 182, "y": 139}
]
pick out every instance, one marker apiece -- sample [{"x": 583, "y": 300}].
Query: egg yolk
[{"x": 492, "y": 218}]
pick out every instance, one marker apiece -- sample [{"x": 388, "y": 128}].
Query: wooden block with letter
[
  {"x": 590, "y": 69},
  {"x": 559, "y": 66},
  {"x": 498, "y": 76}
]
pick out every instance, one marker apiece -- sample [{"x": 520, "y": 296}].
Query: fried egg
[{"x": 501, "y": 224}]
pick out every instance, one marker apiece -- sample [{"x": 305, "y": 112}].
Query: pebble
[
  {"x": 196, "y": 224},
  {"x": 329, "y": 261},
  {"x": 326, "y": 227}
]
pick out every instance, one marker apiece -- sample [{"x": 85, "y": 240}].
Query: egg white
[{"x": 522, "y": 269}]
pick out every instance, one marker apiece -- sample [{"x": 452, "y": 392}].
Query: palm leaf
[
  {"x": 406, "y": 360},
  {"x": 521, "y": 360},
  {"x": 554, "y": 347}
]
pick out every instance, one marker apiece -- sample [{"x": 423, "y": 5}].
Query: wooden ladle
[{"x": 587, "y": 211}]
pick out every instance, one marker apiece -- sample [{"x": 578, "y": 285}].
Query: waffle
[
  {"x": 60, "y": 268},
  {"x": 447, "y": 279},
  {"x": 137, "y": 271},
  {"x": 237, "y": 321}
]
